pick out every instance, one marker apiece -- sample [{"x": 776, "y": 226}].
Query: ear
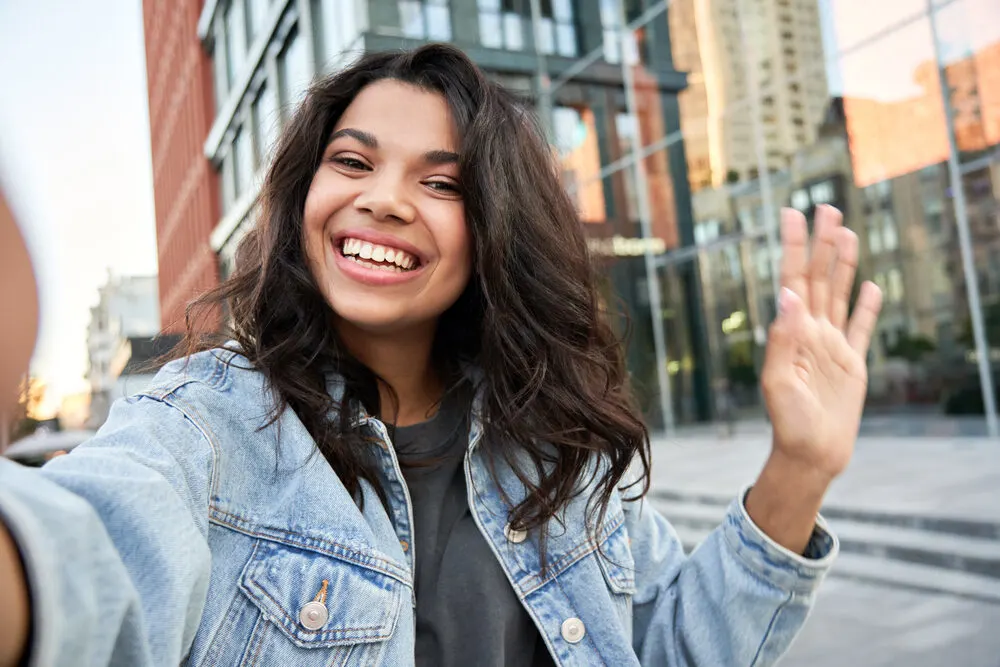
[{"x": 18, "y": 308}]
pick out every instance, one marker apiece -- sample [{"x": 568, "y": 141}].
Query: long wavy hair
[{"x": 553, "y": 381}]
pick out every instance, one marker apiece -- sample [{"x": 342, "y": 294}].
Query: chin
[{"x": 376, "y": 318}]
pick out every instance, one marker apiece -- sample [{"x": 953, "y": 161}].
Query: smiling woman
[{"x": 417, "y": 306}]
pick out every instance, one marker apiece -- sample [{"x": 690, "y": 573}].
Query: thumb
[{"x": 787, "y": 330}]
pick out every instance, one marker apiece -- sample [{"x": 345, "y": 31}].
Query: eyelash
[{"x": 354, "y": 163}]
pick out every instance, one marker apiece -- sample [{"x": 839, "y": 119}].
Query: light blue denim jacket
[{"x": 184, "y": 533}]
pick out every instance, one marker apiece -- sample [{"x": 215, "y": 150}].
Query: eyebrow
[{"x": 436, "y": 157}]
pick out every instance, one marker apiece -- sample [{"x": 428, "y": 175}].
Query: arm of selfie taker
[
  {"x": 114, "y": 539},
  {"x": 103, "y": 552},
  {"x": 18, "y": 329}
]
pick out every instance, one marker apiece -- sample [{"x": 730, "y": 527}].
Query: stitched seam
[
  {"x": 339, "y": 551},
  {"x": 770, "y": 627},
  {"x": 258, "y": 634},
  {"x": 316, "y": 636},
  {"x": 574, "y": 556}
]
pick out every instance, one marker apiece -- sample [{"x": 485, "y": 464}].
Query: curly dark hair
[{"x": 554, "y": 384}]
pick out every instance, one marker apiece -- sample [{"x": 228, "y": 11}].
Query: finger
[
  {"x": 864, "y": 319},
  {"x": 824, "y": 253},
  {"x": 794, "y": 252},
  {"x": 786, "y": 332},
  {"x": 843, "y": 276}
]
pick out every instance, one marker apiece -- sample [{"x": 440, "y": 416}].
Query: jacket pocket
[{"x": 317, "y": 608}]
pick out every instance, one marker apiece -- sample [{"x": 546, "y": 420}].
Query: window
[
  {"x": 293, "y": 68},
  {"x": 503, "y": 24},
  {"x": 610, "y": 21},
  {"x": 500, "y": 27},
  {"x": 259, "y": 10},
  {"x": 265, "y": 122},
  {"x": 425, "y": 19},
  {"x": 244, "y": 164},
  {"x": 890, "y": 237},
  {"x": 874, "y": 240},
  {"x": 894, "y": 287},
  {"x": 822, "y": 193},
  {"x": 236, "y": 39},
  {"x": 341, "y": 23},
  {"x": 800, "y": 200},
  {"x": 220, "y": 66},
  {"x": 227, "y": 181}
]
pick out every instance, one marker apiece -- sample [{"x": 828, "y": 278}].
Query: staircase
[{"x": 955, "y": 556}]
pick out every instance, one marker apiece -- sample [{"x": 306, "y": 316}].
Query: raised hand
[{"x": 815, "y": 378}]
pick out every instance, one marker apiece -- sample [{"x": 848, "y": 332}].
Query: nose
[{"x": 386, "y": 199}]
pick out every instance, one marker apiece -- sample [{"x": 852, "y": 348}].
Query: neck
[{"x": 403, "y": 362}]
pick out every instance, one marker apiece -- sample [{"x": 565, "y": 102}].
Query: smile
[{"x": 378, "y": 257}]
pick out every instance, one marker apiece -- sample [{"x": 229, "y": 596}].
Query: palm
[{"x": 814, "y": 378}]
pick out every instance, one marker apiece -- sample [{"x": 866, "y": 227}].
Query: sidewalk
[
  {"x": 917, "y": 582},
  {"x": 937, "y": 477}
]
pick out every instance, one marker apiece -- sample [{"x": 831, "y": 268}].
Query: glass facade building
[{"x": 682, "y": 128}]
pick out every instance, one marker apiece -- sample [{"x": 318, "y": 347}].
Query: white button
[
  {"x": 313, "y": 615},
  {"x": 515, "y": 536},
  {"x": 573, "y": 630}
]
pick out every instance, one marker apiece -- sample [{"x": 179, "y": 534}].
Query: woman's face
[{"x": 385, "y": 228}]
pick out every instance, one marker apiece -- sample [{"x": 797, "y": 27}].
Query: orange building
[
  {"x": 185, "y": 186},
  {"x": 898, "y": 137}
]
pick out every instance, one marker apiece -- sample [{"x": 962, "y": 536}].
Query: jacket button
[
  {"x": 313, "y": 615},
  {"x": 573, "y": 630},
  {"x": 515, "y": 536}
]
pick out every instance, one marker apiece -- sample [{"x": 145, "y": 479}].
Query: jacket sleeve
[
  {"x": 739, "y": 599},
  {"x": 113, "y": 537}
]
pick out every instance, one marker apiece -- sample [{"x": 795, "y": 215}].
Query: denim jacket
[{"x": 185, "y": 533}]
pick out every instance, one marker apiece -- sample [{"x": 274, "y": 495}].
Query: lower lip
[{"x": 376, "y": 277}]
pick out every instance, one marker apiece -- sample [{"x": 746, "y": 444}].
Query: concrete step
[
  {"x": 949, "y": 551},
  {"x": 934, "y": 524},
  {"x": 902, "y": 574}
]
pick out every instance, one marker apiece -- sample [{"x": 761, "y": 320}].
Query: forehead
[{"x": 402, "y": 114}]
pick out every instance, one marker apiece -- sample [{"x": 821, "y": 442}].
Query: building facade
[
  {"x": 683, "y": 128},
  {"x": 127, "y": 307}
]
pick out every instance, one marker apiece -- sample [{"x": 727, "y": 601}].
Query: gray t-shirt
[{"x": 467, "y": 612}]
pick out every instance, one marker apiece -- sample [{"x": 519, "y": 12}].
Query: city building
[
  {"x": 128, "y": 307},
  {"x": 737, "y": 108}
]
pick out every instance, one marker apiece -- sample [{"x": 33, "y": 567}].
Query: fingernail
[{"x": 786, "y": 299}]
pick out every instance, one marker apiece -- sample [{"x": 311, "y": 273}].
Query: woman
[{"x": 418, "y": 445}]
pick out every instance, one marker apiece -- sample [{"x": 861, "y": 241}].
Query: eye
[
  {"x": 443, "y": 186},
  {"x": 349, "y": 162}
]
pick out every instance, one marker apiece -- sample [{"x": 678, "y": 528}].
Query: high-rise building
[{"x": 754, "y": 66}]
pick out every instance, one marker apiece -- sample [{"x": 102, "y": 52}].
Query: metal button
[
  {"x": 313, "y": 615},
  {"x": 573, "y": 630},
  {"x": 405, "y": 545},
  {"x": 515, "y": 536}
]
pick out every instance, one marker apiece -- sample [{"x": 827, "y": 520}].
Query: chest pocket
[
  {"x": 318, "y": 609},
  {"x": 618, "y": 566}
]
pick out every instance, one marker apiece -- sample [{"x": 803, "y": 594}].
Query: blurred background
[{"x": 133, "y": 137}]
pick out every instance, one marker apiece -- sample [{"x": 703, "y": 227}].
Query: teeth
[{"x": 382, "y": 257}]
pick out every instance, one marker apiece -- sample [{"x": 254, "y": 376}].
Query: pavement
[{"x": 918, "y": 580}]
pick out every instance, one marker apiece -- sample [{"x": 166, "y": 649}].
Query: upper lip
[{"x": 378, "y": 238}]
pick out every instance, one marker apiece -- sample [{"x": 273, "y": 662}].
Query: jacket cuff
[{"x": 773, "y": 562}]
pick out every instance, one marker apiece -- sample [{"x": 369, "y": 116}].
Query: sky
[{"x": 74, "y": 160}]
